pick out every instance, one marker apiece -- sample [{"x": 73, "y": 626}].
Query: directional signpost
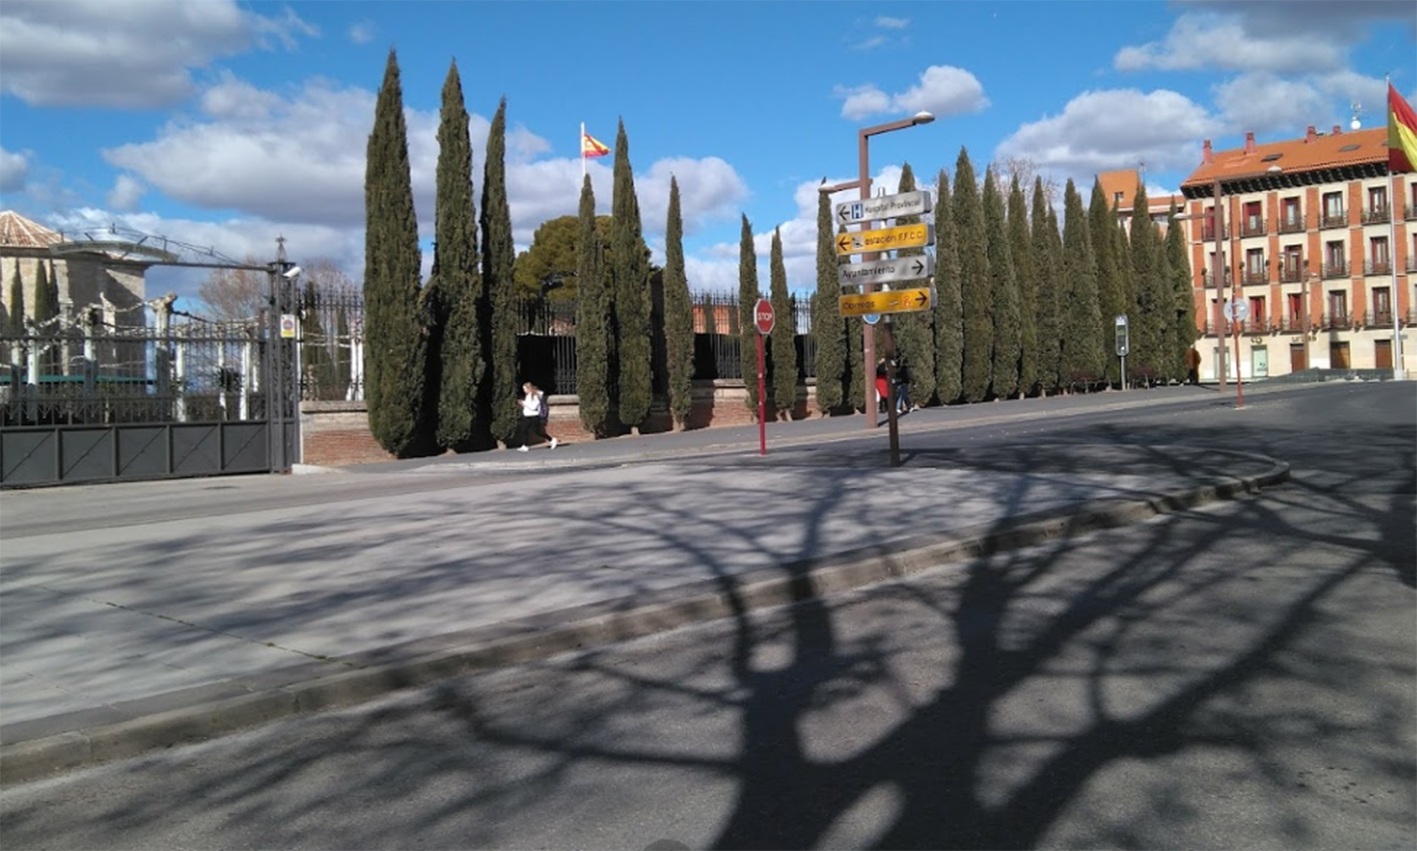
[
  {"x": 886, "y": 271},
  {"x": 884, "y": 207},
  {"x": 764, "y": 319},
  {"x": 885, "y": 239},
  {"x": 892, "y": 301}
]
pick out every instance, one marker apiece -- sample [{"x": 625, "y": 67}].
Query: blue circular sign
[{"x": 871, "y": 318}]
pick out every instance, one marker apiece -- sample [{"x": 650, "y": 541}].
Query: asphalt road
[{"x": 1240, "y": 676}]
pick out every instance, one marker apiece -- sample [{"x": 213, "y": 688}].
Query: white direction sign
[
  {"x": 1236, "y": 310},
  {"x": 884, "y": 207},
  {"x": 886, "y": 271}
]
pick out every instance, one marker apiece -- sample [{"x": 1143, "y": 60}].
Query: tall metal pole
[
  {"x": 1220, "y": 271},
  {"x": 868, "y": 333}
]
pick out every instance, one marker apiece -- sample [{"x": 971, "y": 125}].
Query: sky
[{"x": 224, "y": 125}]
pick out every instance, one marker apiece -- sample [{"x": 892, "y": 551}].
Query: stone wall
[{"x": 336, "y": 434}]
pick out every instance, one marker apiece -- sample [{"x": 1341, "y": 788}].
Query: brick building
[
  {"x": 1317, "y": 240},
  {"x": 86, "y": 278}
]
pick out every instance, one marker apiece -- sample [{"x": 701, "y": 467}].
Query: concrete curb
[{"x": 209, "y": 711}]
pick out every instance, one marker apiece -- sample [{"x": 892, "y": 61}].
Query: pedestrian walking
[
  {"x": 532, "y": 402},
  {"x": 1193, "y": 365},
  {"x": 902, "y": 387},
  {"x": 883, "y": 390}
]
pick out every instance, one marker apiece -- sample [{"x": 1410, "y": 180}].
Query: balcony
[
  {"x": 1335, "y": 269},
  {"x": 1290, "y": 325},
  {"x": 1378, "y": 319},
  {"x": 1335, "y": 321},
  {"x": 1337, "y": 219},
  {"x": 1377, "y": 267},
  {"x": 1253, "y": 226},
  {"x": 1255, "y": 276},
  {"x": 1412, "y": 262},
  {"x": 1208, "y": 232},
  {"x": 1291, "y": 275},
  {"x": 1377, "y": 216},
  {"x": 1292, "y": 224},
  {"x": 1410, "y": 212},
  {"x": 1209, "y": 279}
]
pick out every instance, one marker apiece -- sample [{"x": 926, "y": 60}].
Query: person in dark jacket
[{"x": 902, "y": 387}]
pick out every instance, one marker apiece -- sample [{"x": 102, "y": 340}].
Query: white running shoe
[
  {"x": 523, "y": 448},
  {"x": 554, "y": 443}
]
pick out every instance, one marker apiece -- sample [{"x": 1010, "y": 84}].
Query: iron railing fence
[
  {"x": 331, "y": 344},
  {"x": 101, "y": 374}
]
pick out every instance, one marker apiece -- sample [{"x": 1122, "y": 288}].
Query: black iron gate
[{"x": 92, "y": 399}]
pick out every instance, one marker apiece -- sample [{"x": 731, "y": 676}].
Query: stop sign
[{"x": 762, "y": 316}]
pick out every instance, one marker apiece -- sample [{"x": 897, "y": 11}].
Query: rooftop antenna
[{"x": 1357, "y": 108}]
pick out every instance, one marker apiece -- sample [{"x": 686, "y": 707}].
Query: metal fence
[{"x": 331, "y": 351}]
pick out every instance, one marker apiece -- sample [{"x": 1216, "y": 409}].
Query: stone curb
[{"x": 310, "y": 688}]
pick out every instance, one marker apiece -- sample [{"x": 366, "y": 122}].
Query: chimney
[
  {"x": 1337, "y": 130},
  {"x": 1311, "y": 135},
  {"x": 1206, "y": 157},
  {"x": 1250, "y": 142}
]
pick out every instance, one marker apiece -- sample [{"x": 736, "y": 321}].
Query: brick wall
[{"x": 336, "y": 434}]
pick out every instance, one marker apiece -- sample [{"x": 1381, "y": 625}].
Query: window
[
  {"x": 1254, "y": 261},
  {"x": 1334, "y": 259},
  {"x": 1257, "y": 319},
  {"x": 1337, "y": 307},
  {"x": 1290, "y": 218},
  {"x": 1382, "y": 305},
  {"x": 1379, "y": 261},
  {"x": 1269, "y": 158},
  {"x": 1291, "y": 264},
  {"x": 1296, "y": 310},
  {"x": 1333, "y": 208},
  {"x": 1377, "y": 198}
]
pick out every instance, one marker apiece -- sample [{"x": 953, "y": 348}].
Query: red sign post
[{"x": 763, "y": 318}]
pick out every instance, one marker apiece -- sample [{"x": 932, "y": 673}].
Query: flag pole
[
  {"x": 580, "y": 143},
  {"x": 1394, "y": 196}
]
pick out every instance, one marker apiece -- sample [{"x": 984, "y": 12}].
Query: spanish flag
[
  {"x": 1401, "y": 133},
  {"x": 591, "y": 146}
]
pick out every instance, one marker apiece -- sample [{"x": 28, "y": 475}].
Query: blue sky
[{"x": 227, "y": 124}]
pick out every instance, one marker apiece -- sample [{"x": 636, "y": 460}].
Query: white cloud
[
  {"x": 1224, "y": 42},
  {"x": 135, "y": 54},
  {"x": 942, "y": 90},
  {"x": 363, "y": 32},
  {"x": 889, "y": 23},
  {"x": 126, "y": 193},
  {"x": 14, "y": 170},
  {"x": 1106, "y": 130}
]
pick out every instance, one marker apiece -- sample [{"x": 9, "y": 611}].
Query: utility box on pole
[{"x": 1122, "y": 345}]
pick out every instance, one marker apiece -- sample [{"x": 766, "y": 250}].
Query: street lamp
[{"x": 863, "y": 183}]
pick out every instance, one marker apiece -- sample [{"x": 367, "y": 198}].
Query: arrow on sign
[{"x": 843, "y": 244}]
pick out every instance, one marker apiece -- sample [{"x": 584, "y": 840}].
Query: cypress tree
[
  {"x": 949, "y": 322},
  {"x": 1047, "y": 248},
  {"x": 1152, "y": 295},
  {"x": 784, "y": 332},
  {"x": 1183, "y": 295},
  {"x": 1113, "y": 282},
  {"x": 1026, "y": 273},
  {"x": 17, "y": 304},
  {"x": 1003, "y": 288},
  {"x": 678, "y": 314},
  {"x": 914, "y": 332},
  {"x": 748, "y": 295},
  {"x": 319, "y": 375},
  {"x": 630, "y": 274},
  {"x": 457, "y": 288},
  {"x": 592, "y": 321},
  {"x": 498, "y": 257},
  {"x": 1081, "y": 356},
  {"x": 395, "y": 349},
  {"x": 1166, "y": 315},
  {"x": 829, "y": 327},
  {"x": 976, "y": 302},
  {"x": 46, "y": 301}
]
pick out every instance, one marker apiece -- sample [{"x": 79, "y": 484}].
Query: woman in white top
[{"x": 531, "y": 403}]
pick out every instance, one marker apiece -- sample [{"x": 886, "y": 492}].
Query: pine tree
[
  {"x": 829, "y": 328},
  {"x": 1113, "y": 278},
  {"x": 395, "y": 349},
  {"x": 949, "y": 322},
  {"x": 1047, "y": 249},
  {"x": 1026, "y": 273},
  {"x": 784, "y": 332},
  {"x": 457, "y": 288},
  {"x": 1153, "y": 295},
  {"x": 748, "y": 296},
  {"x": 678, "y": 314},
  {"x": 1183, "y": 295},
  {"x": 629, "y": 272},
  {"x": 1081, "y": 359},
  {"x": 915, "y": 332},
  {"x": 1003, "y": 288},
  {"x": 592, "y": 320},
  {"x": 976, "y": 302},
  {"x": 498, "y": 257}
]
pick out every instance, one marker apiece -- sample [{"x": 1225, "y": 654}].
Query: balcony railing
[
  {"x": 1329, "y": 321},
  {"x": 1252, "y": 227},
  {"x": 1255, "y": 276},
  {"x": 1288, "y": 275},
  {"x": 1377, "y": 267},
  {"x": 1410, "y": 212},
  {"x": 1376, "y": 216},
  {"x": 1208, "y": 232},
  {"x": 1412, "y": 262},
  {"x": 1209, "y": 279},
  {"x": 1333, "y": 220},
  {"x": 1335, "y": 269},
  {"x": 1289, "y": 324},
  {"x": 1378, "y": 318},
  {"x": 1294, "y": 224}
]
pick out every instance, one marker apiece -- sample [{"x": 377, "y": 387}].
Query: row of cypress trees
[
  {"x": 441, "y": 369},
  {"x": 1023, "y": 306}
]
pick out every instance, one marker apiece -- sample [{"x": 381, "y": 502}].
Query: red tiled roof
[
  {"x": 16, "y": 231},
  {"x": 1311, "y": 153},
  {"x": 1126, "y": 182}
]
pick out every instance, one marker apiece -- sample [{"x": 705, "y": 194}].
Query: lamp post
[
  {"x": 1304, "y": 308},
  {"x": 863, "y": 183}
]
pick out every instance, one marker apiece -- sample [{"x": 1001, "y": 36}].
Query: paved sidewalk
[{"x": 141, "y": 615}]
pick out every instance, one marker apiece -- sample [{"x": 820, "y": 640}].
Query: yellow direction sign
[
  {"x": 885, "y": 239},
  {"x": 893, "y": 301}
]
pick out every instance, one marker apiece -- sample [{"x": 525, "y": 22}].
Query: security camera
[{"x": 292, "y": 273}]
